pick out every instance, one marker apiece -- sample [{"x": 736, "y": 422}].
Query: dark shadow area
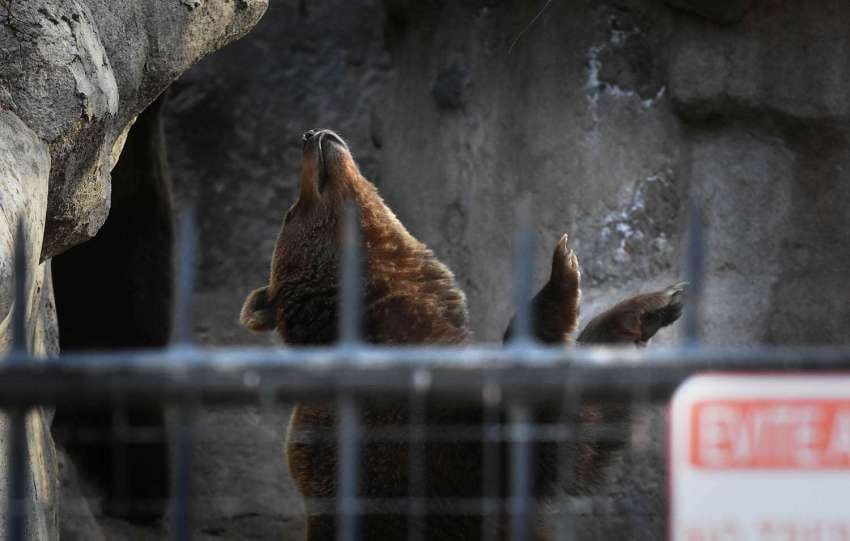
[{"x": 115, "y": 292}]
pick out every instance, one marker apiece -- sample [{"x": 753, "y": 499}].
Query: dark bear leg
[
  {"x": 633, "y": 321},
  {"x": 637, "y": 319},
  {"x": 555, "y": 313},
  {"x": 555, "y": 308},
  {"x": 321, "y": 528}
]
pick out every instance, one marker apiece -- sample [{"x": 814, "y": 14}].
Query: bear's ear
[{"x": 258, "y": 313}]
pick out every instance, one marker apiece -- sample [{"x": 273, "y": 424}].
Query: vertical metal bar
[
  {"x": 522, "y": 338},
  {"x": 19, "y": 313},
  {"x": 568, "y": 416},
  {"x": 348, "y": 422},
  {"x": 18, "y": 455},
  {"x": 347, "y": 505},
  {"x": 491, "y": 504},
  {"x": 185, "y": 279},
  {"x": 118, "y": 438},
  {"x": 520, "y": 473},
  {"x": 17, "y": 472},
  {"x": 695, "y": 268},
  {"x": 523, "y": 274},
  {"x": 639, "y": 441},
  {"x": 351, "y": 291},
  {"x": 182, "y": 490},
  {"x": 182, "y": 338},
  {"x": 418, "y": 430}
]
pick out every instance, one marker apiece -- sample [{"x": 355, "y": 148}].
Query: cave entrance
[{"x": 114, "y": 292}]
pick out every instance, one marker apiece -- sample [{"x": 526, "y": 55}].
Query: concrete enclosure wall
[{"x": 609, "y": 114}]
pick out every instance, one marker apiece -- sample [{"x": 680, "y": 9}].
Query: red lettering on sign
[{"x": 770, "y": 434}]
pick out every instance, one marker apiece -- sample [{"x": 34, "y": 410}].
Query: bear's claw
[{"x": 565, "y": 267}]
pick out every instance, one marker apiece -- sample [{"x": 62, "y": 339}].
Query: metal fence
[{"x": 518, "y": 375}]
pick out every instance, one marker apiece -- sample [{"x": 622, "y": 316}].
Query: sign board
[{"x": 760, "y": 458}]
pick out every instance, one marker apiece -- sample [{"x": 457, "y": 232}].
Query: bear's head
[{"x": 409, "y": 296}]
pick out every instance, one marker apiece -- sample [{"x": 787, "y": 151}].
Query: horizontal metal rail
[
  {"x": 514, "y": 377},
  {"x": 244, "y": 375}
]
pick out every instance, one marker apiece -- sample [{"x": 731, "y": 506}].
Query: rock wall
[
  {"x": 24, "y": 171},
  {"x": 572, "y": 110},
  {"x": 73, "y": 76},
  {"x": 77, "y": 72},
  {"x": 610, "y": 114},
  {"x": 765, "y": 111}
]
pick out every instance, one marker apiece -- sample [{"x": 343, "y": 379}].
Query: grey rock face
[
  {"x": 24, "y": 170},
  {"x": 59, "y": 81},
  {"x": 69, "y": 63},
  {"x": 73, "y": 76},
  {"x": 785, "y": 61},
  {"x": 582, "y": 124},
  {"x": 723, "y": 11},
  {"x": 767, "y": 151}
]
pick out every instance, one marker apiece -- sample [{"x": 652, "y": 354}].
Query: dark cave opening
[{"x": 114, "y": 292}]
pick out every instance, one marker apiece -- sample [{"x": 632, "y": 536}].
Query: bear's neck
[
  {"x": 309, "y": 315},
  {"x": 400, "y": 306},
  {"x": 411, "y": 296}
]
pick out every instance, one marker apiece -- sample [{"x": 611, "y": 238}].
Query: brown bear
[{"x": 409, "y": 297}]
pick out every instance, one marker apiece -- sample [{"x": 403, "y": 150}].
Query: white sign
[{"x": 760, "y": 458}]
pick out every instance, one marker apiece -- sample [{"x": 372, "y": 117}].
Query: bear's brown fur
[
  {"x": 409, "y": 298},
  {"x": 555, "y": 311},
  {"x": 555, "y": 308},
  {"x": 633, "y": 321},
  {"x": 637, "y": 319}
]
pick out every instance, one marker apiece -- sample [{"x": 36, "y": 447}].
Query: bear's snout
[
  {"x": 321, "y": 136},
  {"x": 326, "y": 156}
]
